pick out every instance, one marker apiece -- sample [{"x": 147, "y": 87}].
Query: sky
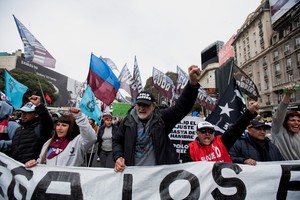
[{"x": 160, "y": 33}]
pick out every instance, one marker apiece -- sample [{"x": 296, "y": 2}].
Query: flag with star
[{"x": 230, "y": 107}]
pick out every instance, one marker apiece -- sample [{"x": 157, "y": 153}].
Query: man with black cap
[
  {"x": 142, "y": 138},
  {"x": 255, "y": 146},
  {"x": 36, "y": 128}
]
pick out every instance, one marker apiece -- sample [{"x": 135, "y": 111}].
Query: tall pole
[{"x": 40, "y": 87}]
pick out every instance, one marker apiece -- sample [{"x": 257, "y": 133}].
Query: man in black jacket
[
  {"x": 255, "y": 146},
  {"x": 142, "y": 138},
  {"x": 36, "y": 129}
]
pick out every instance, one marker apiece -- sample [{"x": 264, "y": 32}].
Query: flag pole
[
  {"x": 77, "y": 94},
  {"x": 230, "y": 73},
  {"x": 40, "y": 85}
]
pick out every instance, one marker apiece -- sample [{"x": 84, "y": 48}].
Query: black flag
[
  {"x": 245, "y": 83},
  {"x": 229, "y": 108}
]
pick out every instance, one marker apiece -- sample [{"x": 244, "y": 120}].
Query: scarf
[
  {"x": 57, "y": 147},
  {"x": 3, "y": 129},
  {"x": 262, "y": 147}
]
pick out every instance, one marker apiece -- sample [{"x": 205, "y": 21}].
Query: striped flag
[{"x": 102, "y": 80}]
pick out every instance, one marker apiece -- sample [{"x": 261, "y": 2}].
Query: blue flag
[
  {"x": 14, "y": 90},
  {"x": 89, "y": 106}
]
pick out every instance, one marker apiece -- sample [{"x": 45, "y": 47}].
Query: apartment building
[{"x": 268, "y": 50}]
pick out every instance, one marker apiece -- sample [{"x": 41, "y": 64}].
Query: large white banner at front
[{"x": 197, "y": 180}]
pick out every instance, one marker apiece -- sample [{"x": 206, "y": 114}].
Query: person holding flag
[
  {"x": 286, "y": 127},
  {"x": 208, "y": 147},
  {"x": 142, "y": 138},
  {"x": 36, "y": 129}
]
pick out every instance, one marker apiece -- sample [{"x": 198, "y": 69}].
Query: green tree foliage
[{"x": 33, "y": 82}]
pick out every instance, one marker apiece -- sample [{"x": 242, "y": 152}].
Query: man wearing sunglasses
[
  {"x": 208, "y": 147},
  {"x": 255, "y": 146}
]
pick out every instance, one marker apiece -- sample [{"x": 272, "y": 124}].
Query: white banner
[{"x": 201, "y": 180}]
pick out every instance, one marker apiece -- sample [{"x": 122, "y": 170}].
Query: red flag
[
  {"x": 102, "y": 80},
  {"x": 48, "y": 98}
]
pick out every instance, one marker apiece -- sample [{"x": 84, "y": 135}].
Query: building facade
[
  {"x": 69, "y": 90},
  {"x": 269, "y": 52}
]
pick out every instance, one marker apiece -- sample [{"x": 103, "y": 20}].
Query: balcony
[
  {"x": 275, "y": 58},
  {"x": 277, "y": 73},
  {"x": 287, "y": 52},
  {"x": 297, "y": 46},
  {"x": 289, "y": 68}
]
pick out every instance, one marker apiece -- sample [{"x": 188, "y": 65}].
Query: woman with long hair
[{"x": 73, "y": 136}]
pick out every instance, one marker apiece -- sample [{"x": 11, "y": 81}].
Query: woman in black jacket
[{"x": 105, "y": 134}]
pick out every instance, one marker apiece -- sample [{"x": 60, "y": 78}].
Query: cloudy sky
[{"x": 160, "y": 33}]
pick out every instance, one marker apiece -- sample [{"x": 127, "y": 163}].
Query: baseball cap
[
  {"x": 106, "y": 116},
  {"x": 205, "y": 124},
  {"x": 28, "y": 107},
  {"x": 145, "y": 97},
  {"x": 255, "y": 123}
]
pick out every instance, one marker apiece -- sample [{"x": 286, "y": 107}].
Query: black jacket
[
  {"x": 30, "y": 137},
  {"x": 245, "y": 148},
  {"x": 162, "y": 123},
  {"x": 100, "y": 134}
]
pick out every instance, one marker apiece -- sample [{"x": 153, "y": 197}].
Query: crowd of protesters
[{"x": 33, "y": 135}]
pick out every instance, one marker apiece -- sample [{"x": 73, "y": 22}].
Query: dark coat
[
  {"x": 30, "y": 137},
  {"x": 162, "y": 123},
  {"x": 100, "y": 134},
  {"x": 245, "y": 148}
]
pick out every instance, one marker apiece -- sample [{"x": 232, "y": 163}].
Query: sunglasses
[{"x": 204, "y": 131}]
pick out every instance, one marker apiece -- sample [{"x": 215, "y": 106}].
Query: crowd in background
[{"x": 33, "y": 135}]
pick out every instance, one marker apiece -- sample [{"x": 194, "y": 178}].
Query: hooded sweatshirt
[{"x": 7, "y": 131}]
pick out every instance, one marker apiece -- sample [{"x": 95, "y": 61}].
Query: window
[
  {"x": 288, "y": 64},
  {"x": 290, "y": 77},
  {"x": 277, "y": 68},
  {"x": 297, "y": 41},
  {"x": 265, "y": 61},
  {"x": 286, "y": 31},
  {"x": 279, "y": 97},
  {"x": 275, "y": 38},
  {"x": 266, "y": 84},
  {"x": 276, "y": 55},
  {"x": 266, "y": 73},
  {"x": 268, "y": 98},
  {"x": 278, "y": 80},
  {"x": 287, "y": 49}
]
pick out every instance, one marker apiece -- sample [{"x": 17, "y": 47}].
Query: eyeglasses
[{"x": 203, "y": 131}]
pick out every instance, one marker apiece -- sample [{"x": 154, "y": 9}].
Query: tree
[{"x": 33, "y": 82}]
